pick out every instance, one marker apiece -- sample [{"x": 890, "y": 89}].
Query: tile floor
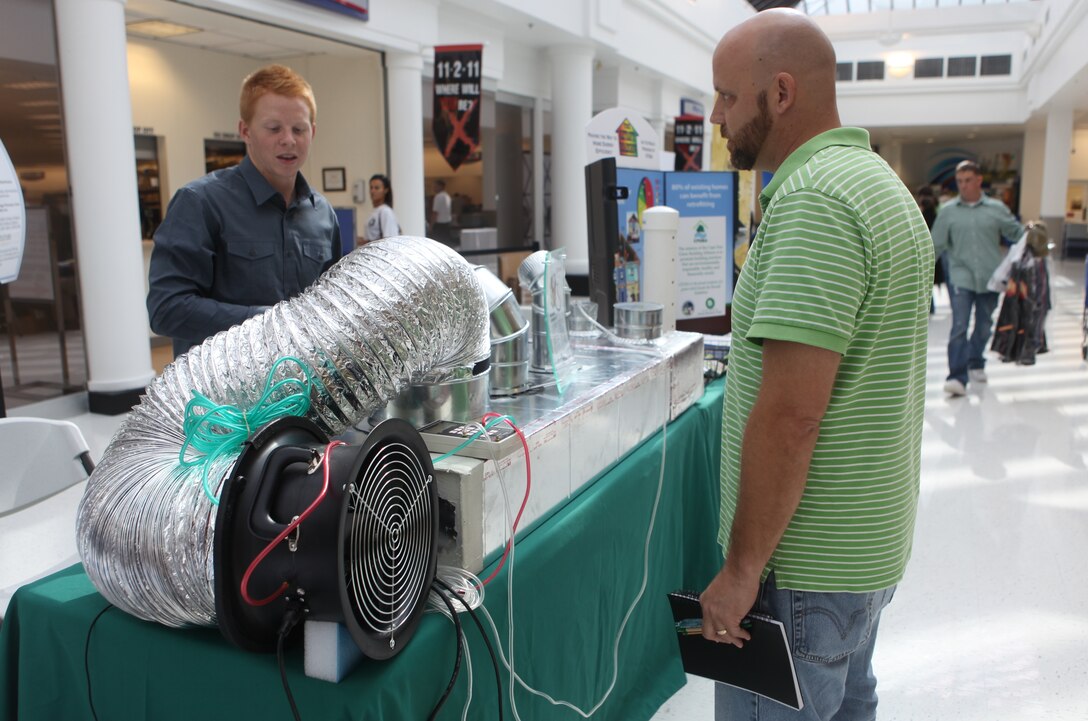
[{"x": 991, "y": 621}]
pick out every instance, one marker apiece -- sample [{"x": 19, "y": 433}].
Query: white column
[
  {"x": 1059, "y": 141},
  {"x": 892, "y": 152},
  {"x": 572, "y": 108},
  {"x": 105, "y": 211},
  {"x": 1031, "y": 173},
  {"x": 658, "y": 117},
  {"x": 538, "y": 171},
  {"x": 404, "y": 89}
]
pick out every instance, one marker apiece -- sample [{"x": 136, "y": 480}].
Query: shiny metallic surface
[
  {"x": 494, "y": 289},
  {"x": 531, "y": 271},
  {"x": 511, "y": 349},
  {"x": 509, "y": 378},
  {"x": 509, "y": 337},
  {"x": 541, "y": 363},
  {"x": 640, "y": 321},
  {"x": 461, "y": 399},
  {"x": 395, "y": 313},
  {"x": 506, "y": 318},
  {"x": 510, "y": 363},
  {"x": 582, "y": 318}
]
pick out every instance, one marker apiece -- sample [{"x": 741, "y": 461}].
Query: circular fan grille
[{"x": 389, "y": 534}]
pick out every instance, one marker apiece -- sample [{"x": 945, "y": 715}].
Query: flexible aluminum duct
[{"x": 396, "y": 312}]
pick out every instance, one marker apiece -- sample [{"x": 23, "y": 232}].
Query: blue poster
[
  {"x": 644, "y": 190},
  {"x": 706, "y": 202}
]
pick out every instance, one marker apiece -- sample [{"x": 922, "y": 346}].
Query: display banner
[
  {"x": 358, "y": 9},
  {"x": 688, "y": 142},
  {"x": 456, "y": 122},
  {"x": 704, "y": 270},
  {"x": 625, "y": 135},
  {"x": 690, "y": 106},
  {"x": 12, "y": 219}
]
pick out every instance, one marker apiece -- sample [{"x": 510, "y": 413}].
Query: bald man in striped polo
[{"x": 823, "y": 407}]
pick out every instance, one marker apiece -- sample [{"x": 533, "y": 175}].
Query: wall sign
[
  {"x": 456, "y": 121},
  {"x": 688, "y": 142},
  {"x": 358, "y": 9},
  {"x": 12, "y": 219},
  {"x": 625, "y": 135},
  {"x": 690, "y": 106}
]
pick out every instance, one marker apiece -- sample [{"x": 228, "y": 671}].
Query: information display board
[{"x": 12, "y": 219}]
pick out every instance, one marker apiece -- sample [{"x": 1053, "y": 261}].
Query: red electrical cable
[
  {"x": 284, "y": 534},
  {"x": 528, "y": 486}
]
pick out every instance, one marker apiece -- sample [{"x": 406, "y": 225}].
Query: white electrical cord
[
  {"x": 471, "y": 589},
  {"x": 467, "y": 587},
  {"x": 468, "y": 662},
  {"x": 623, "y": 625}
]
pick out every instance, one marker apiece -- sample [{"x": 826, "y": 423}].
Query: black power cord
[
  {"x": 457, "y": 660},
  {"x": 290, "y": 619},
  {"x": 487, "y": 641},
  {"x": 87, "y": 659}
]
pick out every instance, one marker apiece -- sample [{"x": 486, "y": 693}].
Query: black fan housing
[{"x": 365, "y": 556}]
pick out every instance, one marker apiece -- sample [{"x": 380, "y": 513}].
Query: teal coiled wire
[{"x": 213, "y": 430}]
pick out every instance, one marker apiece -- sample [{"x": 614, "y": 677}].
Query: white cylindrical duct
[
  {"x": 395, "y": 312},
  {"x": 659, "y": 225}
]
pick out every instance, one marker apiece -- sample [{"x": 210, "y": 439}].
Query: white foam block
[{"x": 328, "y": 651}]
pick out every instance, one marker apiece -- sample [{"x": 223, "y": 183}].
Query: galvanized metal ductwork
[{"x": 395, "y": 312}]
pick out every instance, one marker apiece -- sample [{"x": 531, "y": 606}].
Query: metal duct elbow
[{"x": 395, "y": 312}]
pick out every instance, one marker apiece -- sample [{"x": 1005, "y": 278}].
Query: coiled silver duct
[{"x": 399, "y": 311}]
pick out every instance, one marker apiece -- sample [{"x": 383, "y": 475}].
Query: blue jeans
[
  {"x": 966, "y": 353},
  {"x": 832, "y": 636}
]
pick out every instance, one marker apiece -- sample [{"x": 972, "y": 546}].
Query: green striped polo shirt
[{"x": 842, "y": 261}]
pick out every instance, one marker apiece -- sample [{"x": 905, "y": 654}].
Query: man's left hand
[{"x": 726, "y": 601}]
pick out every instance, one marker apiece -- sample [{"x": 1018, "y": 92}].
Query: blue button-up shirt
[
  {"x": 230, "y": 247},
  {"x": 972, "y": 233}
]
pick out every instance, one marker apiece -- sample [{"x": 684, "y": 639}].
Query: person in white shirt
[
  {"x": 382, "y": 223},
  {"x": 442, "y": 214}
]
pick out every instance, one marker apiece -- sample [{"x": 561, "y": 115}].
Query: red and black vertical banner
[
  {"x": 456, "y": 122},
  {"x": 688, "y": 142}
]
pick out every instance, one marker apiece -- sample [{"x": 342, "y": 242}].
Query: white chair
[{"x": 46, "y": 464}]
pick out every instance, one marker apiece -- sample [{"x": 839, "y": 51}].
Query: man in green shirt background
[{"x": 970, "y": 227}]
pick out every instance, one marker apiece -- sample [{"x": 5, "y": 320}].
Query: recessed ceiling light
[
  {"x": 899, "y": 64},
  {"x": 160, "y": 29}
]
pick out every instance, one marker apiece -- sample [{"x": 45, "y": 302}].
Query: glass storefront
[{"x": 41, "y": 341}]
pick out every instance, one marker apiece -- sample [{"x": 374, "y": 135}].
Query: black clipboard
[{"x": 764, "y": 666}]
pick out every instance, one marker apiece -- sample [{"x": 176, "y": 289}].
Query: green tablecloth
[{"x": 574, "y": 578}]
